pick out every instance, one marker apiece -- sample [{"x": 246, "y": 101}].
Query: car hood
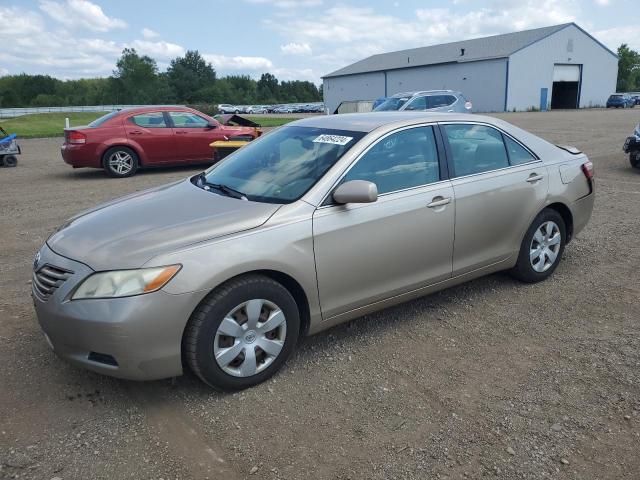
[{"x": 128, "y": 232}]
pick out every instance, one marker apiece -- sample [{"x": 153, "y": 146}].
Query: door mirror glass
[
  {"x": 211, "y": 126},
  {"x": 356, "y": 191}
]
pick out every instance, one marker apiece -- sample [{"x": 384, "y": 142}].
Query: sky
[{"x": 292, "y": 39}]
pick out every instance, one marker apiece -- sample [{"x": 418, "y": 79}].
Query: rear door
[
  {"x": 151, "y": 133},
  {"x": 441, "y": 103},
  {"x": 499, "y": 187},
  {"x": 192, "y": 136}
]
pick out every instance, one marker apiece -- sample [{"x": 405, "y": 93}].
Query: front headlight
[{"x": 125, "y": 283}]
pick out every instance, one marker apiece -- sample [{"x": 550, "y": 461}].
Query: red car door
[
  {"x": 193, "y": 134},
  {"x": 149, "y": 132}
]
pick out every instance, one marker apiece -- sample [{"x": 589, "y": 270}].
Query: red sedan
[{"x": 125, "y": 140}]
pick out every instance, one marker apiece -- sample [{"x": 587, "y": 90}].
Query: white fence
[{"x": 16, "y": 112}]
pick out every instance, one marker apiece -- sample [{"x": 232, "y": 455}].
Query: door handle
[
  {"x": 534, "y": 177},
  {"x": 439, "y": 202},
  {"x": 136, "y": 132},
  {"x": 181, "y": 132}
]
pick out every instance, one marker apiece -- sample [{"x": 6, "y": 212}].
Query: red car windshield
[{"x": 99, "y": 121}]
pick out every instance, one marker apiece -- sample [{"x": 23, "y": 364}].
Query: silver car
[
  {"x": 427, "y": 100},
  {"x": 311, "y": 225}
]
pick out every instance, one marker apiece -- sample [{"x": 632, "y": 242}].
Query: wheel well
[
  {"x": 296, "y": 291},
  {"x": 130, "y": 147},
  {"x": 566, "y": 215}
]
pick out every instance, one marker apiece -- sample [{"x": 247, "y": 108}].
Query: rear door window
[
  {"x": 475, "y": 149},
  {"x": 188, "y": 120},
  {"x": 149, "y": 120},
  {"x": 436, "y": 101}
]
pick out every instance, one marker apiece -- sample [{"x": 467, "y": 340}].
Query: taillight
[
  {"x": 76, "y": 137},
  {"x": 587, "y": 169}
]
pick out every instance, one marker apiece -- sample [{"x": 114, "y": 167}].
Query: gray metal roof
[{"x": 497, "y": 46}]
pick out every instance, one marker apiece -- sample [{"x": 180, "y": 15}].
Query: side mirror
[
  {"x": 211, "y": 126},
  {"x": 356, "y": 191}
]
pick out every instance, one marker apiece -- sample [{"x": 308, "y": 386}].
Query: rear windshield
[
  {"x": 99, "y": 121},
  {"x": 614, "y": 97}
]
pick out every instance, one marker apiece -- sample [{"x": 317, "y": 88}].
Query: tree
[
  {"x": 135, "y": 78},
  {"x": 628, "y": 69},
  {"x": 189, "y": 76},
  {"x": 267, "y": 89}
]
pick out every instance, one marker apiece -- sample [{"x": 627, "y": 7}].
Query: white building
[{"x": 552, "y": 67}]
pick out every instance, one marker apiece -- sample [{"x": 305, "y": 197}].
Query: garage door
[
  {"x": 566, "y": 73},
  {"x": 566, "y": 86}
]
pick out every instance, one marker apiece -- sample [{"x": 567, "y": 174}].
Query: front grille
[{"x": 48, "y": 279}]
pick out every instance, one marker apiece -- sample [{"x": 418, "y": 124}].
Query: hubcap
[
  {"x": 121, "y": 162},
  {"x": 545, "y": 246},
  {"x": 250, "y": 338}
]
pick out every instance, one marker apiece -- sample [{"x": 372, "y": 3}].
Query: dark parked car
[
  {"x": 125, "y": 140},
  {"x": 620, "y": 100},
  {"x": 632, "y": 147}
]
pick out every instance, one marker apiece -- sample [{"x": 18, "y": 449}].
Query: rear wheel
[
  {"x": 541, "y": 248},
  {"x": 634, "y": 159},
  {"x": 10, "y": 161},
  {"x": 120, "y": 162},
  {"x": 242, "y": 333}
]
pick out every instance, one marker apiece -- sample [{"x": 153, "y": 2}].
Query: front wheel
[
  {"x": 10, "y": 161},
  {"x": 242, "y": 333},
  {"x": 634, "y": 159},
  {"x": 541, "y": 248},
  {"x": 120, "y": 162}
]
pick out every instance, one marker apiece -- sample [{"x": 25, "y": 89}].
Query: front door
[
  {"x": 403, "y": 241},
  {"x": 499, "y": 187},
  {"x": 193, "y": 135}
]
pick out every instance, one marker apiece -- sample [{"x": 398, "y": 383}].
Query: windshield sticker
[{"x": 333, "y": 139}]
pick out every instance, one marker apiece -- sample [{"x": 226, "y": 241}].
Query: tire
[
  {"x": 129, "y": 162},
  {"x": 221, "y": 360},
  {"x": 531, "y": 270},
  {"x": 634, "y": 159},
  {"x": 237, "y": 112},
  {"x": 10, "y": 161}
]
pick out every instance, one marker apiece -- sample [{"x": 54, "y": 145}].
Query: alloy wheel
[
  {"x": 545, "y": 246},
  {"x": 121, "y": 162},
  {"x": 250, "y": 338}
]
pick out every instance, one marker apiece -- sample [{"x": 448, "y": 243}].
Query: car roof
[
  {"x": 156, "y": 108},
  {"x": 423, "y": 92},
  {"x": 367, "y": 122}
]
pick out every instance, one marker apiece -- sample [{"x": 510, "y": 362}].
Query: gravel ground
[{"x": 489, "y": 379}]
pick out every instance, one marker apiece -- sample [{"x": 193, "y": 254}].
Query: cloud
[
  {"x": 81, "y": 14},
  {"x": 148, "y": 33},
  {"x": 344, "y": 34},
  {"x": 287, "y": 4},
  {"x": 603, "y": 3},
  {"x": 3, "y": 72},
  {"x": 222, "y": 62},
  {"x": 159, "y": 50},
  {"x": 296, "y": 49},
  {"x": 614, "y": 37}
]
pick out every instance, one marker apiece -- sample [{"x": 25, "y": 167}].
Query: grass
[
  {"x": 46, "y": 124},
  {"x": 272, "y": 121}
]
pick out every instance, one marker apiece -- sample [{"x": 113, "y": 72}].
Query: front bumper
[{"x": 137, "y": 338}]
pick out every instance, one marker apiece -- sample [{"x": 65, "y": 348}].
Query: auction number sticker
[{"x": 333, "y": 139}]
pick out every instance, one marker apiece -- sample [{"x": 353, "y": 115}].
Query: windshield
[
  {"x": 390, "y": 104},
  {"x": 615, "y": 97},
  {"x": 282, "y": 166},
  {"x": 99, "y": 121}
]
